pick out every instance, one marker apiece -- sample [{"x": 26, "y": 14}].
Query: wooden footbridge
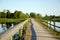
[{"x": 37, "y": 32}]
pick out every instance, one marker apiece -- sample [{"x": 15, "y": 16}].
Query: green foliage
[
  {"x": 46, "y": 17},
  {"x": 27, "y": 15},
  {"x": 32, "y": 14},
  {"x": 16, "y": 15},
  {"x": 38, "y": 16},
  {"x": 4, "y": 20},
  {"x": 20, "y": 14},
  {"x": 2, "y": 15},
  {"x": 8, "y": 14}
]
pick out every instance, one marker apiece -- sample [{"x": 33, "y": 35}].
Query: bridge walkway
[{"x": 39, "y": 33}]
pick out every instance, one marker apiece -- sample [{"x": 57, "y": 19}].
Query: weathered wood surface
[
  {"x": 39, "y": 33},
  {"x": 10, "y": 32}
]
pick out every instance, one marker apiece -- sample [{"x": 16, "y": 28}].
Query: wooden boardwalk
[
  {"x": 39, "y": 33},
  {"x": 35, "y": 32}
]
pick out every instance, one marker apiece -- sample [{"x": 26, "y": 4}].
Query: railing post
[
  {"x": 47, "y": 24},
  {"x": 20, "y": 32},
  {"x": 2, "y": 24},
  {"x": 50, "y": 20},
  {"x": 54, "y": 23},
  {"x": 11, "y": 38}
]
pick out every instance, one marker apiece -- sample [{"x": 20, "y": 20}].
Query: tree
[
  {"x": 17, "y": 14},
  {"x": 32, "y": 14},
  {"x": 38, "y": 16},
  {"x": 12, "y": 15},
  {"x": 22, "y": 15},
  {"x": 8, "y": 14},
  {"x": 3, "y": 14},
  {"x": 27, "y": 15},
  {"x": 46, "y": 17}
]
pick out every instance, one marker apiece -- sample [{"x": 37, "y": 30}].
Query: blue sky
[{"x": 50, "y": 7}]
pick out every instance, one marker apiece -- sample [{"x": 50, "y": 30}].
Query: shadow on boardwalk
[{"x": 33, "y": 37}]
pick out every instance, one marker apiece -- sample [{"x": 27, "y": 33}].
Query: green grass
[{"x": 4, "y": 20}]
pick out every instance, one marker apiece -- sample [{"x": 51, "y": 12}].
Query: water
[
  {"x": 3, "y": 29},
  {"x": 15, "y": 36},
  {"x": 57, "y": 24}
]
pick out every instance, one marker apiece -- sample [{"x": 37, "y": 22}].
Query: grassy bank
[{"x": 4, "y": 20}]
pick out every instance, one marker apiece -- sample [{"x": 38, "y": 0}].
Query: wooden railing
[
  {"x": 45, "y": 21},
  {"x": 10, "y": 32}
]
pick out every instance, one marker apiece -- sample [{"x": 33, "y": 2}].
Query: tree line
[
  {"x": 34, "y": 15},
  {"x": 19, "y": 14},
  {"x": 15, "y": 15},
  {"x": 39, "y": 16},
  {"x": 52, "y": 16}
]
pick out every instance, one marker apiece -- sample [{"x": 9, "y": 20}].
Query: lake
[
  {"x": 57, "y": 24},
  {"x": 3, "y": 29}
]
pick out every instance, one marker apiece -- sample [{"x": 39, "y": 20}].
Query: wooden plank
[{"x": 10, "y": 32}]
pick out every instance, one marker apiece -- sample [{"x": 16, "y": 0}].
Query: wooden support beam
[
  {"x": 11, "y": 38},
  {"x": 54, "y": 24},
  {"x": 20, "y": 32},
  {"x": 50, "y": 20}
]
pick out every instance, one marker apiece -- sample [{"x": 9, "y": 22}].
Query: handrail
[
  {"x": 9, "y": 33},
  {"x": 53, "y": 25},
  {"x": 51, "y": 19}
]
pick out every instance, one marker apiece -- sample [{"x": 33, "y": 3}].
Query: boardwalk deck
[{"x": 39, "y": 33}]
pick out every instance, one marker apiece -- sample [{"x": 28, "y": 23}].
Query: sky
[{"x": 49, "y": 7}]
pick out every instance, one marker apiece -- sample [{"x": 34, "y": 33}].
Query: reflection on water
[
  {"x": 16, "y": 36},
  {"x": 57, "y": 24},
  {"x": 2, "y": 29}
]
